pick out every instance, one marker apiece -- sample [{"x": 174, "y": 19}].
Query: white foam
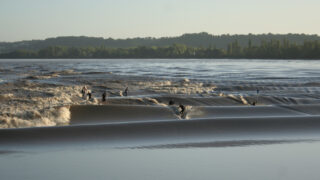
[
  {"x": 68, "y": 72},
  {"x": 46, "y": 76},
  {"x": 50, "y": 117},
  {"x": 186, "y": 80},
  {"x": 5, "y": 97},
  {"x": 188, "y": 112},
  {"x": 191, "y": 112},
  {"x": 181, "y": 87},
  {"x": 239, "y": 98},
  {"x": 23, "y": 110},
  {"x": 154, "y": 101}
]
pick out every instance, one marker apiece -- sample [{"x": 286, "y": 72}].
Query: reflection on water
[
  {"x": 283, "y": 161},
  {"x": 222, "y": 144}
]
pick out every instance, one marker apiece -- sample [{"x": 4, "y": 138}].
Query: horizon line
[{"x": 174, "y": 36}]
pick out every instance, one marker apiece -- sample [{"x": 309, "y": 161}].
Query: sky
[{"x": 40, "y": 19}]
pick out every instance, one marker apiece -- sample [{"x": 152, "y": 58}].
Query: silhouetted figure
[
  {"x": 171, "y": 102},
  {"x": 182, "y": 109},
  {"x": 89, "y": 95},
  {"x": 125, "y": 92},
  {"x": 104, "y": 96},
  {"x": 257, "y": 97},
  {"x": 84, "y": 91}
]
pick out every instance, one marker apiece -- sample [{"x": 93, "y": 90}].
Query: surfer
[
  {"x": 125, "y": 92},
  {"x": 257, "y": 97},
  {"x": 84, "y": 91},
  {"x": 89, "y": 95},
  {"x": 104, "y": 96},
  {"x": 182, "y": 109}
]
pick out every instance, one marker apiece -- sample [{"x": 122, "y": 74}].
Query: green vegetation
[
  {"x": 273, "y": 49},
  {"x": 197, "y": 40}
]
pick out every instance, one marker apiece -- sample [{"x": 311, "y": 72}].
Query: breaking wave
[{"x": 50, "y": 117}]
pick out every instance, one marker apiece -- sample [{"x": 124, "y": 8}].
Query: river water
[
  {"x": 201, "y": 69},
  {"x": 243, "y": 119}
]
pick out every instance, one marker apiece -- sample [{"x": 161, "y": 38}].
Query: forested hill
[{"x": 203, "y": 40}]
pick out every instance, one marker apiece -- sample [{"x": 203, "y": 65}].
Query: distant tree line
[
  {"x": 198, "y": 40},
  {"x": 273, "y": 49}
]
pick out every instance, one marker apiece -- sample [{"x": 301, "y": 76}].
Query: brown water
[{"x": 49, "y": 131}]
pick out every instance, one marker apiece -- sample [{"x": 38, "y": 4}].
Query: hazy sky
[{"x": 39, "y": 19}]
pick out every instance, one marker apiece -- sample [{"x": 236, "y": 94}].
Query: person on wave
[
  {"x": 84, "y": 92},
  {"x": 104, "y": 97},
  {"x": 89, "y": 95},
  {"x": 182, "y": 109},
  {"x": 257, "y": 97},
  {"x": 125, "y": 92}
]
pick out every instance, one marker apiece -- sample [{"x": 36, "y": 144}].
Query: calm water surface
[{"x": 282, "y": 161}]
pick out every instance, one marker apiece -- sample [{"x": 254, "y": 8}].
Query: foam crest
[
  {"x": 5, "y": 97},
  {"x": 192, "y": 112},
  {"x": 185, "y": 86},
  {"x": 188, "y": 112},
  {"x": 44, "y": 76},
  {"x": 33, "y": 105},
  {"x": 68, "y": 72},
  {"x": 49, "y": 117},
  {"x": 156, "y": 102},
  {"x": 238, "y": 98}
]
